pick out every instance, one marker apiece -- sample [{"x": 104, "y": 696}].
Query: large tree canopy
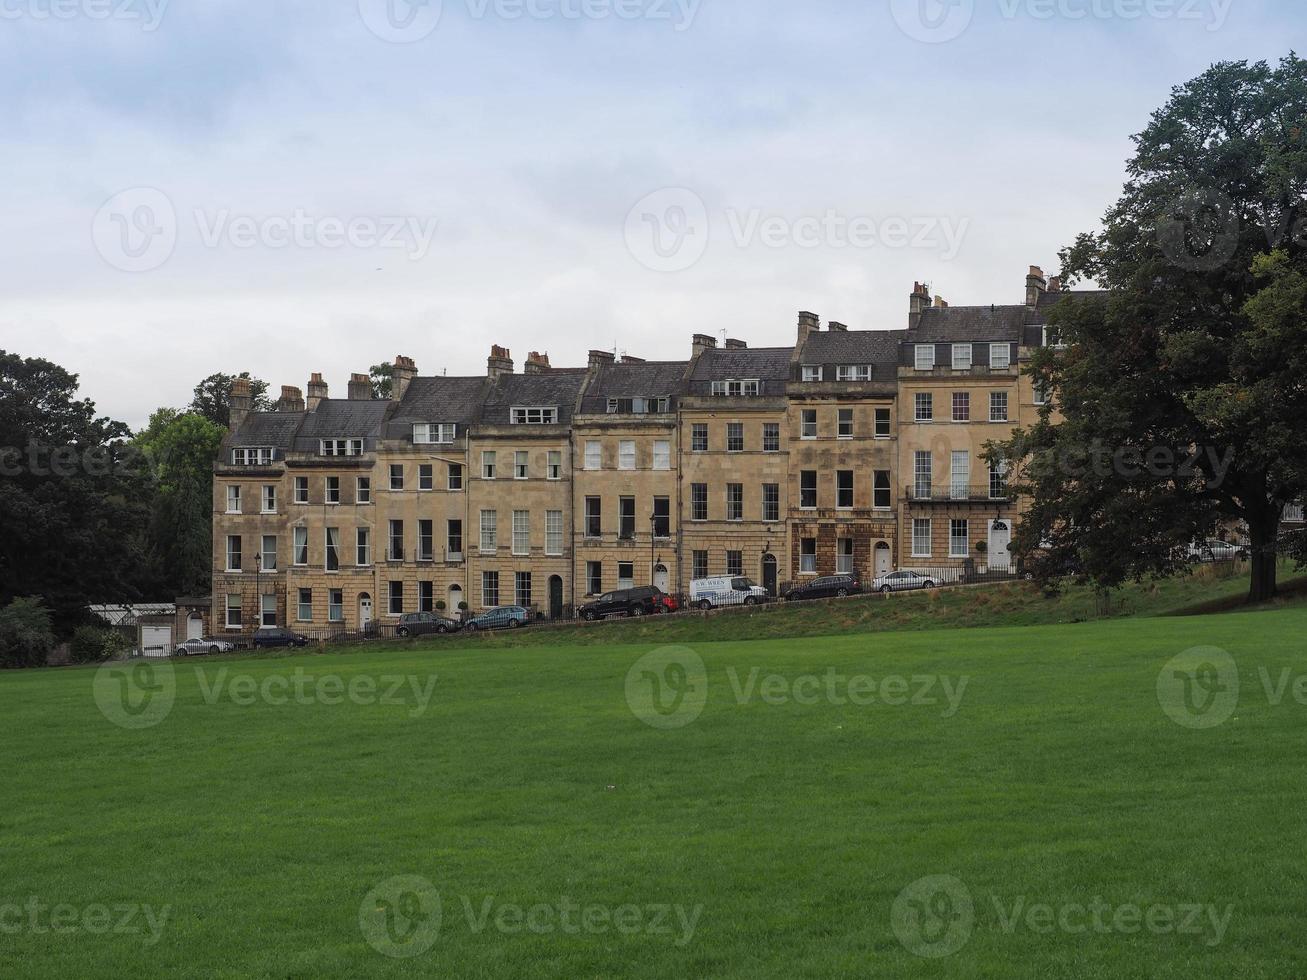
[
  {"x": 1182, "y": 393},
  {"x": 213, "y": 397},
  {"x": 74, "y": 505}
]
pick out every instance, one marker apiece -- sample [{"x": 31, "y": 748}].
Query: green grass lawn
[{"x": 766, "y": 832}]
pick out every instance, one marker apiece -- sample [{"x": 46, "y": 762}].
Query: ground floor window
[
  {"x": 625, "y": 575},
  {"x": 921, "y": 538},
  {"x": 336, "y": 606},
  {"x": 490, "y": 590},
  {"x": 522, "y": 588},
  {"x": 959, "y": 539},
  {"x": 808, "y": 556},
  {"x": 304, "y": 608},
  {"x": 594, "y": 577},
  {"x": 396, "y": 598},
  {"x": 268, "y": 610},
  {"x": 700, "y": 563},
  {"x": 844, "y": 554},
  {"x": 426, "y": 597},
  {"x": 233, "y": 612},
  {"x": 735, "y": 563}
]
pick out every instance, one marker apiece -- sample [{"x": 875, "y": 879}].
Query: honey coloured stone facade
[{"x": 849, "y": 451}]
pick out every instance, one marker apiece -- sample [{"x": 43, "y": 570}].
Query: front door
[
  {"x": 365, "y": 611},
  {"x": 660, "y": 578},
  {"x": 556, "y": 597},
  {"x": 195, "y": 628},
  {"x": 769, "y": 567},
  {"x": 1000, "y": 536},
  {"x": 884, "y": 562}
]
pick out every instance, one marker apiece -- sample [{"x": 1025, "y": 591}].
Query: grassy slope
[
  {"x": 795, "y": 826},
  {"x": 1018, "y": 604}
]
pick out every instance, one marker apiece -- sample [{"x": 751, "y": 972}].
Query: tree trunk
[{"x": 1264, "y": 531}]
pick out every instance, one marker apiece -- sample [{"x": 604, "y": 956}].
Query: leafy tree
[
  {"x": 382, "y": 375},
  {"x": 26, "y": 637},
  {"x": 1181, "y": 392},
  {"x": 74, "y": 498},
  {"x": 213, "y": 397},
  {"x": 180, "y": 448}
]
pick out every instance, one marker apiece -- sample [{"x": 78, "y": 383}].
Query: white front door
[
  {"x": 195, "y": 628},
  {"x": 1000, "y": 536},
  {"x": 884, "y": 563},
  {"x": 365, "y": 611},
  {"x": 660, "y": 578}
]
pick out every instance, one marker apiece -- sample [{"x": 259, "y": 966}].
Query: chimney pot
[
  {"x": 629, "y": 359},
  {"x": 317, "y": 391},
  {"x": 240, "y": 402},
  {"x": 292, "y": 399},
  {"x": 598, "y": 358},
  {"x": 809, "y": 324},
  {"x": 536, "y": 363},
  {"x": 499, "y": 363},
  {"x": 836, "y": 327},
  {"x": 1036, "y": 286},
  {"x": 360, "y": 388},
  {"x": 401, "y": 376},
  {"x": 702, "y": 342},
  {"x": 736, "y": 345}
]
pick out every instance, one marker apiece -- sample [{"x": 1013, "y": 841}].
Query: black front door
[
  {"x": 556, "y": 597},
  {"x": 769, "y": 574}
]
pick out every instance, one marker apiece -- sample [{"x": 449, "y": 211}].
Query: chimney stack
[
  {"x": 401, "y": 376},
  {"x": 630, "y": 359},
  {"x": 240, "y": 402},
  {"x": 1036, "y": 286},
  {"x": 809, "y": 324},
  {"x": 598, "y": 358},
  {"x": 1054, "y": 284},
  {"x": 536, "y": 363},
  {"x": 317, "y": 391},
  {"x": 736, "y": 345},
  {"x": 702, "y": 342},
  {"x": 499, "y": 363},
  {"x": 941, "y": 303},
  {"x": 292, "y": 399},
  {"x": 836, "y": 327},
  {"x": 919, "y": 303},
  {"x": 360, "y": 388}
]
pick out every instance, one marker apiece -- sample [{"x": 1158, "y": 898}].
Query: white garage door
[{"x": 156, "y": 641}]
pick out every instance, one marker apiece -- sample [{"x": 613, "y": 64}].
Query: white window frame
[
  {"x": 340, "y": 447},
  {"x": 960, "y": 474},
  {"x": 489, "y": 541},
  {"x": 1004, "y": 360},
  {"x": 963, "y": 357},
  {"x": 534, "y": 415},
  {"x": 522, "y": 533},
  {"x": 953, "y": 548},
  {"x": 269, "y": 498},
  {"x": 923, "y": 474},
  {"x": 264, "y": 565},
  {"x": 301, "y": 490},
  {"x": 299, "y": 547},
  {"x": 363, "y": 490},
  {"x": 489, "y": 598},
  {"x": 807, "y": 559},
  {"x": 924, "y": 357},
  {"x": 554, "y": 465},
  {"x": 335, "y": 605},
  {"x": 626, "y": 455},
  {"x": 844, "y": 556},
  {"x": 889, "y": 423},
  {"x": 233, "y": 498},
  {"x": 303, "y": 606},
  {"x": 853, "y": 372},
  {"x": 966, "y": 400},
  {"x": 329, "y": 496},
  {"x": 808, "y": 424},
  {"x": 812, "y": 372},
  {"x": 234, "y": 605},
  {"x": 839, "y": 423},
  {"x": 917, "y": 524},
  {"x": 521, "y": 465},
  {"x": 252, "y": 456},
  {"x": 994, "y": 397},
  {"x": 920, "y": 400},
  {"x": 662, "y": 456},
  {"x": 237, "y": 552},
  {"x": 489, "y": 461},
  {"x": 434, "y": 433},
  {"x": 363, "y": 547},
  {"x": 553, "y": 532},
  {"x": 594, "y": 456}
]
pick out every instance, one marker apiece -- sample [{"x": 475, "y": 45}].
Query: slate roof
[
  {"x": 770, "y": 365},
  {"x": 338, "y": 418},
  {"x": 853, "y": 347},
  {"x": 978, "y": 324},
  {"x": 276, "y": 429},
  {"x": 651, "y": 379},
  {"x": 440, "y": 399},
  {"x": 556, "y": 388}
]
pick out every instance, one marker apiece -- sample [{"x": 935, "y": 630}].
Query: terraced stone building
[{"x": 850, "y": 451}]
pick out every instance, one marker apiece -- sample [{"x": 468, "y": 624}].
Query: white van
[{"x": 727, "y": 590}]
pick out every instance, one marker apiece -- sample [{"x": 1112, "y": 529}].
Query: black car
[
  {"x": 645, "y": 600},
  {"x": 277, "y": 636},
  {"x": 830, "y": 587},
  {"x": 421, "y": 623}
]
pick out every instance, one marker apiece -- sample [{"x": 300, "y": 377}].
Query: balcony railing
[{"x": 957, "y": 495}]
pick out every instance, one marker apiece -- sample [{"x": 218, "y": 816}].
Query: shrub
[
  {"x": 94, "y": 645},
  {"x": 26, "y": 639}
]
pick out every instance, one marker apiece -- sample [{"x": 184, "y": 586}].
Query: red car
[{"x": 669, "y": 604}]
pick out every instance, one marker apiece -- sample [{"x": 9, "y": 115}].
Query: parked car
[
  {"x": 195, "y": 647},
  {"x": 271, "y": 637},
  {"x": 421, "y": 623},
  {"x": 505, "y": 617},
  {"x": 669, "y": 604},
  {"x": 1214, "y": 549},
  {"x": 726, "y": 590},
  {"x": 644, "y": 600},
  {"x": 902, "y": 582},
  {"x": 829, "y": 587}
]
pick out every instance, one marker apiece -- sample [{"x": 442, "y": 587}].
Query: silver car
[
  {"x": 902, "y": 582},
  {"x": 194, "y": 648}
]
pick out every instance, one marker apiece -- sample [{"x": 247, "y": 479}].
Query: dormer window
[
  {"x": 812, "y": 372},
  {"x": 853, "y": 372},
  {"x": 434, "y": 433},
  {"x": 736, "y": 389},
  {"x": 1000, "y": 356},
  {"x": 1052, "y": 339},
  {"x": 340, "y": 447},
  {"x": 639, "y": 406},
  {"x": 535, "y": 416},
  {"x": 256, "y": 456},
  {"x": 925, "y": 357},
  {"x": 962, "y": 357}
]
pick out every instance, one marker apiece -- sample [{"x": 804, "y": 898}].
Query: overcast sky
[{"x": 290, "y": 187}]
